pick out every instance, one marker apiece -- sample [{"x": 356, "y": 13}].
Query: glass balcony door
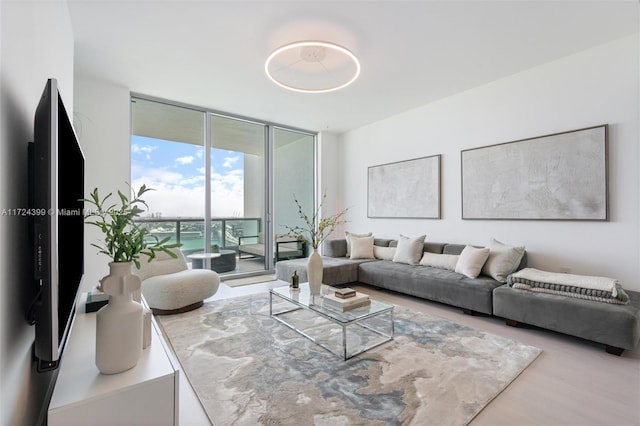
[
  {"x": 167, "y": 155},
  {"x": 238, "y": 190},
  {"x": 217, "y": 180},
  {"x": 293, "y": 178}
]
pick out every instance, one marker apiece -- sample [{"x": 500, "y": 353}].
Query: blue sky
[{"x": 176, "y": 171}]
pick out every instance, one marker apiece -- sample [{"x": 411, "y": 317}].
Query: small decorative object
[
  {"x": 119, "y": 327},
  {"x": 295, "y": 280},
  {"x": 315, "y": 230},
  {"x": 341, "y": 304},
  {"x": 146, "y": 329},
  {"x": 345, "y": 293},
  {"x": 119, "y": 324},
  {"x": 315, "y": 272},
  {"x": 215, "y": 248}
]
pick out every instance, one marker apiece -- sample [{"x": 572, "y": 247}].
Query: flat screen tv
[{"x": 56, "y": 190}]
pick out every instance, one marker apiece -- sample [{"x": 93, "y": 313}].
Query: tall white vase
[
  {"x": 314, "y": 272},
  {"x": 119, "y": 324}
]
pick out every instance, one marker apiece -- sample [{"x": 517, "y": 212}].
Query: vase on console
[
  {"x": 119, "y": 324},
  {"x": 314, "y": 272}
]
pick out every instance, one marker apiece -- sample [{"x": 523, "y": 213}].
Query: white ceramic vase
[
  {"x": 314, "y": 272},
  {"x": 119, "y": 324}
]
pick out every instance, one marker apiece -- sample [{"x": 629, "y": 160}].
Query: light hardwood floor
[{"x": 573, "y": 381}]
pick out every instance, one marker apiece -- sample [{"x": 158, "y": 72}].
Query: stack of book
[{"x": 345, "y": 298}]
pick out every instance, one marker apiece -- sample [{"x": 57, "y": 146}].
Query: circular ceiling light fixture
[{"x": 312, "y": 67}]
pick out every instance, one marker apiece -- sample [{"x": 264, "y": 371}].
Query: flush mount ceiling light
[{"x": 312, "y": 67}]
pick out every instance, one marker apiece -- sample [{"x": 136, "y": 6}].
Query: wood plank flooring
[{"x": 573, "y": 382}]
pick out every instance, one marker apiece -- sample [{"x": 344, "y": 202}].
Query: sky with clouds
[{"x": 176, "y": 172}]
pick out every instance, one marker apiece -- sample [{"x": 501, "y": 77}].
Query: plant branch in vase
[
  {"x": 314, "y": 231},
  {"x": 124, "y": 239},
  {"x": 119, "y": 328}
]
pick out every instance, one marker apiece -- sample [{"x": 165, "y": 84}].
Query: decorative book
[
  {"x": 345, "y": 293},
  {"x": 332, "y": 301}
]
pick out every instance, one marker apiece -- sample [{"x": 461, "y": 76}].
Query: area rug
[
  {"x": 249, "y": 369},
  {"x": 237, "y": 282}
]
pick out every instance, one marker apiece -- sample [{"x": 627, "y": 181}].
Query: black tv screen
[{"x": 56, "y": 190}]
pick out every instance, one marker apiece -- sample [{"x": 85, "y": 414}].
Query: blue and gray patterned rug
[{"x": 248, "y": 369}]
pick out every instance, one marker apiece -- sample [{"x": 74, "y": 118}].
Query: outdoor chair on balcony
[
  {"x": 170, "y": 287},
  {"x": 284, "y": 248}
]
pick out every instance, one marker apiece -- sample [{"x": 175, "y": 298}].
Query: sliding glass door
[
  {"x": 237, "y": 189},
  {"x": 217, "y": 179},
  {"x": 167, "y": 155},
  {"x": 293, "y": 179}
]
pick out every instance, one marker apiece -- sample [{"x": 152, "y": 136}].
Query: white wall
[
  {"x": 594, "y": 87},
  {"x": 36, "y": 44},
  {"x": 103, "y": 125},
  {"x": 329, "y": 177},
  {"x": 292, "y": 175}
]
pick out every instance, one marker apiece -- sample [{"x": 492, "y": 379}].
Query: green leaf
[{"x": 124, "y": 239}]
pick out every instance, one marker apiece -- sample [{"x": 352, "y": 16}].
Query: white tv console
[{"x": 147, "y": 394}]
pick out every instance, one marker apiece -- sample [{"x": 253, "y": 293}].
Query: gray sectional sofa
[
  {"x": 615, "y": 326},
  {"x": 439, "y": 285}
]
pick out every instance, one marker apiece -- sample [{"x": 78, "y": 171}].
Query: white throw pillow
[
  {"x": 361, "y": 248},
  {"x": 348, "y": 236},
  {"x": 409, "y": 250},
  {"x": 471, "y": 261},
  {"x": 442, "y": 261},
  {"x": 384, "y": 253},
  {"x": 503, "y": 260}
]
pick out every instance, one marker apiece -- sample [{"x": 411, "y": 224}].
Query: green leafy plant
[
  {"x": 124, "y": 239},
  {"x": 316, "y": 229}
]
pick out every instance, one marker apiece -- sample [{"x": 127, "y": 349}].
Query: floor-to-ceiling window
[
  {"x": 237, "y": 193},
  {"x": 293, "y": 159},
  {"x": 222, "y": 184}
]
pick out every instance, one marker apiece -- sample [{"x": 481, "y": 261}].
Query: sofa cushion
[
  {"x": 349, "y": 235},
  {"x": 384, "y": 253},
  {"x": 361, "y": 248},
  {"x": 471, "y": 261},
  {"x": 442, "y": 261},
  {"x": 335, "y": 247},
  {"x": 335, "y": 271},
  {"x": 409, "y": 250},
  {"x": 503, "y": 260},
  {"x": 439, "y": 285},
  {"x": 614, "y": 325}
]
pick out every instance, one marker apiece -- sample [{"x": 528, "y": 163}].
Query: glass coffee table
[{"x": 344, "y": 333}]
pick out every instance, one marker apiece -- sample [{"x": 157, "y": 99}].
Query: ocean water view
[{"x": 190, "y": 232}]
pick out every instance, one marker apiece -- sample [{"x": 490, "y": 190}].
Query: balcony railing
[{"x": 225, "y": 232}]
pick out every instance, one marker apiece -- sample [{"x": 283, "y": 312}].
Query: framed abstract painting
[
  {"x": 562, "y": 176},
  {"x": 405, "y": 189}
]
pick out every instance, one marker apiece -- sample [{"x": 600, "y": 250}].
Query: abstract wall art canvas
[
  {"x": 562, "y": 176},
  {"x": 405, "y": 189}
]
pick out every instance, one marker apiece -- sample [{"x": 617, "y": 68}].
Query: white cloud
[
  {"x": 185, "y": 160},
  {"x": 176, "y": 195},
  {"x": 183, "y": 194},
  {"x": 144, "y": 150},
  {"x": 229, "y": 162}
]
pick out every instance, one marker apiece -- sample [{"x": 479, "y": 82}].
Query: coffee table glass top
[{"x": 303, "y": 297}]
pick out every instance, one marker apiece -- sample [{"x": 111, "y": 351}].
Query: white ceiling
[{"x": 212, "y": 53}]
